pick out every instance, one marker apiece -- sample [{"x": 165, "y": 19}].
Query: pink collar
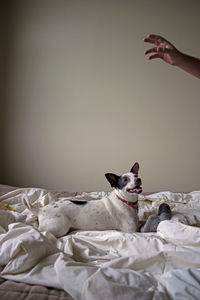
[{"x": 131, "y": 204}]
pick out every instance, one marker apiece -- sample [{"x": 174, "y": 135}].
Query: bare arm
[{"x": 166, "y": 51}]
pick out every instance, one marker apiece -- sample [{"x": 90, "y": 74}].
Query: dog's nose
[{"x": 138, "y": 182}]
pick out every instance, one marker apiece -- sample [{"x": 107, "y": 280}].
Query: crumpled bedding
[{"x": 105, "y": 264}]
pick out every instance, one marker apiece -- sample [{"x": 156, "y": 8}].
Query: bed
[{"x": 92, "y": 265}]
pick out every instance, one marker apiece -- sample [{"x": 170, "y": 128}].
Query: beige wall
[
  {"x": 3, "y": 52},
  {"x": 1, "y": 95},
  {"x": 82, "y": 99}
]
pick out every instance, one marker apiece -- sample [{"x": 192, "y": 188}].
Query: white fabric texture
[{"x": 106, "y": 264}]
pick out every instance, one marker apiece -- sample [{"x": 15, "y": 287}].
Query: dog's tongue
[{"x": 137, "y": 190}]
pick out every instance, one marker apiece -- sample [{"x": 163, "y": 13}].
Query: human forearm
[{"x": 189, "y": 64}]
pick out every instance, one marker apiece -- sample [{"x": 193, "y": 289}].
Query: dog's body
[{"x": 116, "y": 211}]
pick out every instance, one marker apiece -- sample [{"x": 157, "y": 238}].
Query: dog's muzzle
[
  {"x": 135, "y": 186},
  {"x": 138, "y": 188}
]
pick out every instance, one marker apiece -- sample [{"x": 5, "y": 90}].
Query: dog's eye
[{"x": 125, "y": 179}]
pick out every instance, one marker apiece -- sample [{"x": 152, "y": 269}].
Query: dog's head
[{"x": 129, "y": 182}]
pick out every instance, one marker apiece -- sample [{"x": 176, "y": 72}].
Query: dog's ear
[
  {"x": 135, "y": 168},
  {"x": 113, "y": 179}
]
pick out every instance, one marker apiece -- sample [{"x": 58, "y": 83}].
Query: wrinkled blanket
[{"x": 105, "y": 264}]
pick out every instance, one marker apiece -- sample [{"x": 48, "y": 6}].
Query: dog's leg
[{"x": 58, "y": 226}]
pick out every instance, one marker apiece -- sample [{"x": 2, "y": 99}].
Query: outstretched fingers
[
  {"x": 152, "y": 50},
  {"x": 155, "y": 39},
  {"x": 157, "y": 52}
]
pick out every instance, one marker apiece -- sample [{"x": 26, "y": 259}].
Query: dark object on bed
[{"x": 164, "y": 213}]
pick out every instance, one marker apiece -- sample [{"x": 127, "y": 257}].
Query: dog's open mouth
[{"x": 136, "y": 190}]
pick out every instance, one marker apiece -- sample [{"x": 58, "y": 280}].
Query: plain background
[{"x": 79, "y": 98}]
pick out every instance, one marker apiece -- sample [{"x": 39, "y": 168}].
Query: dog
[{"x": 117, "y": 211}]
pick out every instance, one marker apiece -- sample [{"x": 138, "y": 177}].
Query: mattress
[{"x": 100, "y": 264}]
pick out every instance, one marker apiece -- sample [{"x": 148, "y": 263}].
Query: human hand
[{"x": 163, "y": 49}]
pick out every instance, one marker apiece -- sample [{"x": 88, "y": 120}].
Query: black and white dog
[{"x": 117, "y": 211}]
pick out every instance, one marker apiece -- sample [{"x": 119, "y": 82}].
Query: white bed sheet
[{"x": 106, "y": 264}]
